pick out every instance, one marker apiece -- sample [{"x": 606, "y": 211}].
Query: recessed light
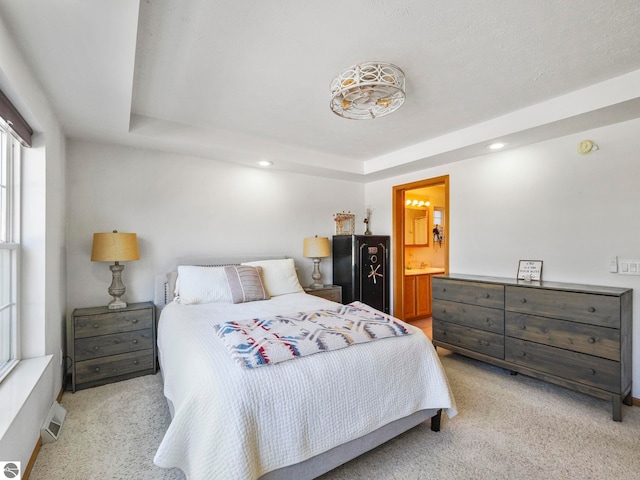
[
  {"x": 496, "y": 145},
  {"x": 265, "y": 163}
]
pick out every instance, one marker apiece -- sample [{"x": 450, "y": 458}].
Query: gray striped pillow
[{"x": 245, "y": 283}]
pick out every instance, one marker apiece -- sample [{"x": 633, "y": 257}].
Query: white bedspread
[{"x": 235, "y": 423}]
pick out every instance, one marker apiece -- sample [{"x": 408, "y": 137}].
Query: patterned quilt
[{"x": 262, "y": 341}]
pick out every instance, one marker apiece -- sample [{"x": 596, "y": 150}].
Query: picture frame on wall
[
  {"x": 345, "y": 223},
  {"x": 530, "y": 270}
]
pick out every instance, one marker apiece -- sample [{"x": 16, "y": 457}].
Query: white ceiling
[{"x": 240, "y": 81}]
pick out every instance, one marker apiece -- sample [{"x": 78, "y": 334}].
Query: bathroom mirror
[{"x": 416, "y": 226}]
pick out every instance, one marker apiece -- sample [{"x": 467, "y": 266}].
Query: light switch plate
[
  {"x": 629, "y": 266},
  {"x": 613, "y": 264}
]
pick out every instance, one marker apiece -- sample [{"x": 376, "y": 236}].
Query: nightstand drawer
[
  {"x": 105, "y": 345},
  {"x": 329, "y": 292},
  {"x": 113, "y": 366},
  {"x": 113, "y": 322}
]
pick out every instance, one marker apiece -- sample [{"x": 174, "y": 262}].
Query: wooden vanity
[{"x": 417, "y": 292}]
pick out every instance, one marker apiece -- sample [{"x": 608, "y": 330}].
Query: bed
[{"x": 296, "y": 419}]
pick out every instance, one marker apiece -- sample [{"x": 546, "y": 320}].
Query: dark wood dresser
[
  {"x": 112, "y": 345},
  {"x": 576, "y": 336}
]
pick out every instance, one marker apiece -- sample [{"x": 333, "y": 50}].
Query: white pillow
[
  {"x": 279, "y": 276},
  {"x": 202, "y": 285}
]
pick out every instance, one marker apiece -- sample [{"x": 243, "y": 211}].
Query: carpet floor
[{"x": 508, "y": 427}]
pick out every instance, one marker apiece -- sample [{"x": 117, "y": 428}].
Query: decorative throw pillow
[
  {"x": 279, "y": 276},
  {"x": 197, "y": 284},
  {"x": 245, "y": 284}
]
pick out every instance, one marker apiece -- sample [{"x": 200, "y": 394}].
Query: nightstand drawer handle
[
  {"x": 96, "y": 347},
  {"x": 591, "y": 309},
  {"x": 95, "y": 325},
  {"x": 135, "y": 340},
  {"x": 135, "y": 362},
  {"x": 135, "y": 320},
  {"x": 97, "y": 369},
  {"x": 591, "y": 340},
  {"x": 444, "y": 289},
  {"x": 592, "y": 371}
]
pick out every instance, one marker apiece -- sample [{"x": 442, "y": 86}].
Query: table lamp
[
  {"x": 316, "y": 248},
  {"x": 115, "y": 247}
]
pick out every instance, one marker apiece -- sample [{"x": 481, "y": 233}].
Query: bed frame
[{"x": 327, "y": 461}]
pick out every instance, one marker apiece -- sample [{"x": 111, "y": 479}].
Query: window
[{"x": 9, "y": 250}]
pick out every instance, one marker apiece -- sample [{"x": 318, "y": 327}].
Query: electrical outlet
[
  {"x": 613, "y": 264},
  {"x": 629, "y": 266}
]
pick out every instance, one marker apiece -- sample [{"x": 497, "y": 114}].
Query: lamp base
[
  {"x": 316, "y": 275},
  {"x": 116, "y": 303}
]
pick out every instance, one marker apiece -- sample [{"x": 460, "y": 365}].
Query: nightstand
[
  {"x": 112, "y": 345},
  {"x": 329, "y": 292}
]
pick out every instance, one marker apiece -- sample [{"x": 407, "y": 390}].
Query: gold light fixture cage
[{"x": 368, "y": 90}]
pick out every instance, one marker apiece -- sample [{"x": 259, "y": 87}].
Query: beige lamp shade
[
  {"x": 114, "y": 247},
  {"x": 316, "y": 247}
]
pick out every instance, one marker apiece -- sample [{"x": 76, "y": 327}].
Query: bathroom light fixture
[
  {"x": 367, "y": 90},
  {"x": 417, "y": 203},
  {"x": 496, "y": 145},
  {"x": 115, "y": 247},
  {"x": 316, "y": 248}
]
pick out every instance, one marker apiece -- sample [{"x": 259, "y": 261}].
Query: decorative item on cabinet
[{"x": 576, "y": 336}]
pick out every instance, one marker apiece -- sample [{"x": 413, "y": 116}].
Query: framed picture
[
  {"x": 345, "y": 223},
  {"x": 530, "y": 270}
]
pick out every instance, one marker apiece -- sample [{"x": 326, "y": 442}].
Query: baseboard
[{"x": 36, "y": 450}]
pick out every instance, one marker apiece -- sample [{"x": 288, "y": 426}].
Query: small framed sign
[{"x": 530, "y": 270}]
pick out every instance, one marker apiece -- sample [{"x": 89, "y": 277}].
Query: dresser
[
  {"x": 576, "y": 336},
  {"x": 112, "y": 345}
]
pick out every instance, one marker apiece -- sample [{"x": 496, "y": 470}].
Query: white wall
[
  {"x": 43, "y": 286},
  {"x": 181, "y": 206},
  {"x": 546, "y": 202}
]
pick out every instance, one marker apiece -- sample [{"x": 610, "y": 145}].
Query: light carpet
[{"x": 508, "y": 427}]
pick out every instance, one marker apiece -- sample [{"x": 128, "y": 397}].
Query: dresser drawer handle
[
  {"x": 486, "y": 295},
  {"x": 484, "y": 343},
  {"x": 591, "y": 340},
  {"x": 487, "y": 320},
  {"x": 135, "y": 320},
  {"x": 523, "y": 327},
  {"x": 135, "y": 362},
  {"x": 135, "y": 341},
  {"x": 97, "y": 369},
  {"x": 95, "y": 325},
  {"x": 96, "y": 347},
  {"x": 592, "y": 371},
  {"x": 591, "y": 309},
  {"x": 524, "y": 300}
]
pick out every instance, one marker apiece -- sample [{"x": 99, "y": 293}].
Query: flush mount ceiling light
[
  {"x": 367, "y": 90},
  {"x": 265, "y": 163},
  {"x": 496, "y": 146}
]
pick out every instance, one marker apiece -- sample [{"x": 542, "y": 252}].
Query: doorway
[{"x": 410, "y": 257}]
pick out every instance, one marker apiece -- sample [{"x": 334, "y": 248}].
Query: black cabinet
[{"x": 361, "y": 268}]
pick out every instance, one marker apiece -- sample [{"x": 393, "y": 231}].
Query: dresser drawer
[
  {"x": 484, "y": 318},
  {"x": 106, "y": 367},
  {"x": 473, "y": 339},
  {"x": 579, "y": 337},
  {"x": 574, "y": 366},
  {"x": 94, "y": 347},
  {"x": 485, "y": 294},
  {"x": 578, "y": 307},
  {"x": 113, "y": 322}
]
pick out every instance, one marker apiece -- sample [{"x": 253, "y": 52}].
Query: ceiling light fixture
[
  {"x": 367, "y": 90},
  {"x": 265, "y": 163},
  {"x": 496, "y": 146}
]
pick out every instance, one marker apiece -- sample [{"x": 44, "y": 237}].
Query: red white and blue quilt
[{"x": 263, "y": 341}]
